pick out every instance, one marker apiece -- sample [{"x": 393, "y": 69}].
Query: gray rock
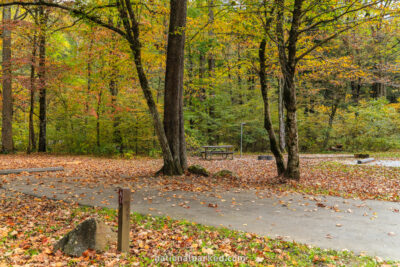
[
  {"x": 90, "y": 234},
  {"x": 197, "y": 169}
]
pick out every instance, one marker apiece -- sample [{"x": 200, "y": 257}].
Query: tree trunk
[
  {"x": 191, "y": 90},
  {"x": 32, "y": 139},
  {"x": 293, "y": 165},
  {"x": 173, "y": 96},
  {"x": 330, "y": 123},
  {"x": 6, "y": 130},
  {"x": 211, "y": 67},
  {"x": 117, "y": 137},
  {"x": 42, "y": 81},
  {"x": 355, "y": 90},
  {"x": 287, "y": 59},
  {"x": 98, "y": 115},
  {"x": 202, "y": 60},
  {"x": 211, "y": 35},
  {"x": 280, "y": 163},
  {"x": 182, "y": 138},
  {"x": 89, "y": 81},
  {"x": 239, "y": 76},
  {"x": 281, "y": 113},
  {"x": 131, "y": 26},
  {"x": 379, "y": 90}
]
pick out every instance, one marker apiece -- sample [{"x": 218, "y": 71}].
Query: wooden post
[{"x": 124, "y": 211}]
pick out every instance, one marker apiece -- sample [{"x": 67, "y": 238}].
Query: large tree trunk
[
  {"x": 6, "y": 130},
  {"x": 293, "y": 164},
  {"x": 182, "y": 138},
  {"x": 173, "y": 97},
  {"x": 42, "y": 81},
  {"x": 131, "y": 26},
  {"x": 32, "y": 139},
  {"x": 281, "y": 114},
  {"x": 190, "y": 90},
  {"x": 287, "y": 59},
  {"x": 280, "y": 163}
]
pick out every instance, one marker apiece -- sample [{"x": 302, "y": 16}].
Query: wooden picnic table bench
[{"x": 224, "y": 151}]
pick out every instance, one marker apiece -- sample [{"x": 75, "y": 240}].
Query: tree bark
[
  {"x": 378, "y": 89},
  {"x": 191, "y": 90},
  {"x": 239, "y": 75},
  {"x": 211, "y": 67},
  {"x": 280, "y": 163},
  {"x": 173, "y": 96},
  {"x": 88, "y": 80},
  {"x": 98, "y": 115},
  {"x": 42, "y": 81},
  {"x": 330, "y": 123},
  {"x": 32, "y": 139},
  {"x": 288, "y": 61},
  {"x": 355, "y": 90},
  {"x": 281, "y": 114},
  {"x": 202, "y": 59},
  {"x": 7, "y": 112},
  {"x": 117, "y": 137}
]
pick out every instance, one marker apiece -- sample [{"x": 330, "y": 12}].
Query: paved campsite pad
[
  {"x": 384, "y": 163},
  {"x": 369, "y": 226}
]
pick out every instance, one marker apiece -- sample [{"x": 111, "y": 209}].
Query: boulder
[
  {"x": 90, "y": 234},
  {"x": 266, "y": 157},
  {"x": 199, "y": 170}
]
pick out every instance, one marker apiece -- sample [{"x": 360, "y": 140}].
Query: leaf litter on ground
[{"x": 318, "y": 176}]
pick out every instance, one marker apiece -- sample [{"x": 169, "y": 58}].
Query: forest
[
  {"x": 112, "y": 110},
  {"x": 96, "y": 78}
]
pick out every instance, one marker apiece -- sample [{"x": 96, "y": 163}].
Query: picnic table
[{"x": 224, "y": 151}]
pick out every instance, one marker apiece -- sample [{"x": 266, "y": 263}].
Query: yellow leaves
[
  {"x": 13, "y": 233},
  {"x": 47, "y": 251},
  {"x": 267, "y": 249},
  {"x": 3, "y": 232},
  {"x": 208, "y": 251}
]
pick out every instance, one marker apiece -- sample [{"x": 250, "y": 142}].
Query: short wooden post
[{"x": 124, "y": 211}]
